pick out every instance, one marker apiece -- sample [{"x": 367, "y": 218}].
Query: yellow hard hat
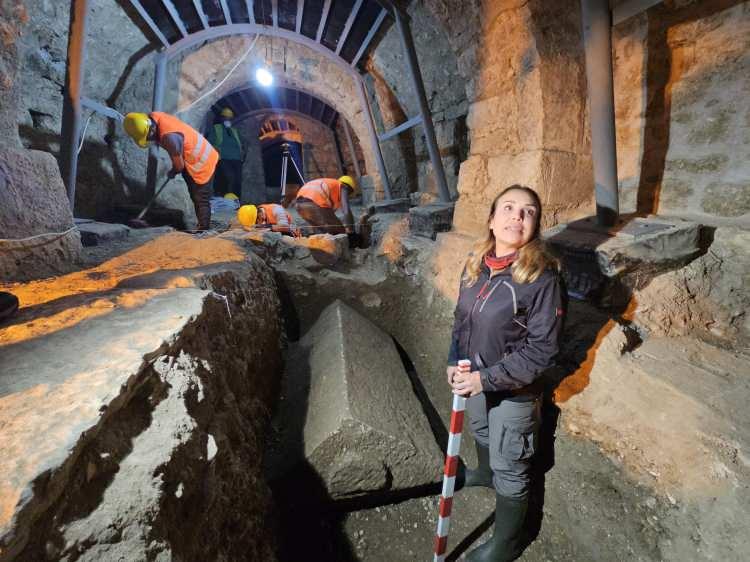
[
  {"x": 137, "y": 126},
  {"x": 227, "y": 112},
  {"x": 247, "y": 214},
  {"x": 348, "y": 180},
  {"x": 231, "y": 196}
]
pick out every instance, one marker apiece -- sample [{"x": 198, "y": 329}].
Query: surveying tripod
[{"x": 285, "y": 157}]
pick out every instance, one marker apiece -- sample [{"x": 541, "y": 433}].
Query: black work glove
[{"x": 353, "y": 239}]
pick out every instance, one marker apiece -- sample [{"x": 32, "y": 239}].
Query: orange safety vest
[
  {"x": 273, "y": 211},
  {"x": 199, "y": 156},
  {"x": 324, "y": 192}
]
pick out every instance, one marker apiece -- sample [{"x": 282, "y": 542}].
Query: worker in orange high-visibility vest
[
  {"x": 318, "y": 200},
  {"x": 268, "y": 215},
  {"x": 192, "y": 155}
]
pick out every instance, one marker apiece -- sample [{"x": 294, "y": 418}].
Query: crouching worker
[
  {"x": 269, "y": 215},
  {"x": 192, "y": 155},
  {"x": 318, "y": 200}
]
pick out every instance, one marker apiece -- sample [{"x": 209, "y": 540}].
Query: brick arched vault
[{"x": 342, "y": 33}]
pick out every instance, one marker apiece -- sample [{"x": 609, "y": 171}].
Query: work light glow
[{"x": 263, "y": 77}]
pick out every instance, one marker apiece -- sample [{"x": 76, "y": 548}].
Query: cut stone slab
[
  {"x": 364, "y": 431},
  {"x": 595, "y": 257},
  {"x": 428, "y": 220},
  {"x": 94, "y": 233},
  {"x": 400, "y": 205}
]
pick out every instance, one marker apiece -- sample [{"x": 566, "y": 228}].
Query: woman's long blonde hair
[{"x": 533, "y": 257}]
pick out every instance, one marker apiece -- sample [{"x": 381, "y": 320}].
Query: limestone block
[
  {"x": 596, "y": 260},
  {"x": 364, "y": 430},
  {"x": 94, "y": 233},
  {"x": 448, "y": 259},
  {"x": 33, "y": 201},
  {"x": 400, "y": 205},
  {"x": 427, "y": 221},
  {"x": 336, "y": 246}
]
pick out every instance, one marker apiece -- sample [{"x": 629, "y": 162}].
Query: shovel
[{"x": 139, "y": 222}]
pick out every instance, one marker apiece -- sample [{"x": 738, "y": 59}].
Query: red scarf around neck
[{"x": 495, "y": 263}]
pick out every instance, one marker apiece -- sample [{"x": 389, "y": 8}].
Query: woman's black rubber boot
[
  {"x": 506, "y": 543},
  {"x": 482, "y": 474}
]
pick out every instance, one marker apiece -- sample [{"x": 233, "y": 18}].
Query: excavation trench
[
  {"x": 312, "y": 491},
  {"x": 235, "y": 398}
]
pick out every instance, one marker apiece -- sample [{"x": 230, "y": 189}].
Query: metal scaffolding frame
[{"x": 173, "y": 36}]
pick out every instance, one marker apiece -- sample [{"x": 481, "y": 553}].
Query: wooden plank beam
[
  {"x": 348, "y": 25},
  {"x": 370, "y": 35},
  {"x": 323, "y": 20}
]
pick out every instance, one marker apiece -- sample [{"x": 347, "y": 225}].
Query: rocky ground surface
[
  {"x": 133, "y": 399},
  {"x": 644, "y": 448}
]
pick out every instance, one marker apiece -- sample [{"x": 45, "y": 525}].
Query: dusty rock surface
[
  {"x": 363, "y": 431},
  {"x": 645, "y": 440},
  {"x": 134, "y": 396},
  {"x": 708, "y": 296},
  {"x": 33, "y": 202}
]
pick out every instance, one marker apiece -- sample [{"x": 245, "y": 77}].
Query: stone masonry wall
[
  {"x": 33, "y": 200},
  {"x": 319, "y": 149},
  {"x": 347, "y": 160},
  {"x": 116, "y": 51},
  {"x": 682, "y": 85},
  {"x": 394, "y": 101},
  {"x": 292, "y": 64},
  {"x": 519, "y": 81}
]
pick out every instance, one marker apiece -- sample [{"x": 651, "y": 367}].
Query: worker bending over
[
  {"x": 318, "y": 200},
  {"x": 268, "y": 215},
  {"x": 192, "y": 155}
]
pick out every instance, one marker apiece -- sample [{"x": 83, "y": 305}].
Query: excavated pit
[{"x": 174, "y": 457}]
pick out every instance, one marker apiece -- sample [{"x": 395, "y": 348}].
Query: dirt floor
[{"x": 644, "y": 455}]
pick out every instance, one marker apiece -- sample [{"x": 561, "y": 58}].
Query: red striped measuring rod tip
[{"x": 449, "y": 473}]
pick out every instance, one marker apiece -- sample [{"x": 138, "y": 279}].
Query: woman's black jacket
[{"x": 508, "y": 330}]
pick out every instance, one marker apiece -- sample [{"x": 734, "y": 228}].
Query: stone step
[{"x": 94, "y": 233}]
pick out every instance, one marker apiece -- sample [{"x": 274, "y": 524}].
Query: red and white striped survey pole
[{"x": 449, "y": 474}]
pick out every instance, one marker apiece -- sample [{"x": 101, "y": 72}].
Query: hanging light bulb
[{"x": 263, "y": 77}]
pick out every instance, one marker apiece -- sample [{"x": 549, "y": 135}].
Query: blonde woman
[{"x": 507, "y": 323}]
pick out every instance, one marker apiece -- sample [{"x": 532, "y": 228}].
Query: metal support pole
[
  {"x": 157, "y": 103},
  {"x": 350, "y": 142},
  {"x": 367, "y": 114},
  {"x": 424, "y": 108},
  {"x": 597, "y": 43},
  {"x": 71, "y": 117},
  {"x": 337, "y": 150}
]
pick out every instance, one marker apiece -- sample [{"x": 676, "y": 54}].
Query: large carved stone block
[
  {"x": 33, "y": 202},
  {"x": 364, "y": 429}
]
